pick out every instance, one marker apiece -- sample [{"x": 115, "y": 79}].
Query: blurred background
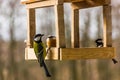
[{"x": 13, "y": 33}]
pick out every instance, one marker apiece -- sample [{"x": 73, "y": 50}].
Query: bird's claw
[{"x": 114, "y": 61}]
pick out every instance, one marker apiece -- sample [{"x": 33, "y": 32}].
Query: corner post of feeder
[
  {"x": 75, "y": 27},
  {"x": 107, "y": 29},
  {"x": 60, "y": 27},
  {"x": 31, "y": 26}
]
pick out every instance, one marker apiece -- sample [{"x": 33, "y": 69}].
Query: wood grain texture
[
  {"x": 29, "y": 1},
  {"x": 75, "y": 29},
  {"x": 108, "y": 1},
  {"x": 107, "y": 28},
  {"x": 73, "y": 0},
  {"x": 89, "y": 4},
  {"x": 44, "y": 3},
  {"x": 29, "y": 54},
  {"x": 53, "y": 54},
  {"x": 31, "y": 26},
  {"x": 32, "y": 1},
  {"x": 60, "y": 27},
  {"x": 87, "y": 53},
  {"x": 90, "y": 1},
  {"x": 98, "y": 2},
  {"x": 74, "y": 53}
]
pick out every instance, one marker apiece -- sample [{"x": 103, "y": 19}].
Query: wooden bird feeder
[{"x": 60, "y": 52}]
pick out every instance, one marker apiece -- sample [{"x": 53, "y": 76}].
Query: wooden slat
[
  {"x": 99, "y": 2},
  {"x": 107, "y": 29},
  {"x": 29, "y": 54},
  {"x": 78, "y": 3},
  {"x": 75, "y": 28},
  {"x": 73, "y": 0},
  {"x": 45, "y": 3},
  {"x": 87, "y": 53},
  {"x": 52, "y": 55},
  {"x": 91, "y": 1},
  {"x": 82, "y": 5},
  {"x": 89, "y": 4},
  {"x": 31, "y": 1},
  {"x": 60, "y": 28},
  {"x": 74, "y": 53},
  {"x": 31, "y": 26},
  {"x": 108, "y": 1}
]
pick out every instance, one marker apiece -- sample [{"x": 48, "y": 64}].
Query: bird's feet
[
  {"x": 114, "y": 61},
  {"x": 48, "y": 75}
]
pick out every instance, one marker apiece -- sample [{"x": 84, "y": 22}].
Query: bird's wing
[
  {"x": 44, "y": 49},
  {"x": 41, "y": 58},
  {"x": 40, "y": 54}
]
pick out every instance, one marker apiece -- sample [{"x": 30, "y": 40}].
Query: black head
[
  {"x": 99, "y": 41},
  {"x": 38, "y": 38},
  {"x": 50, "y": 36}
]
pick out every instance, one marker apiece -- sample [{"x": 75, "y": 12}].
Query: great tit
[
  {"x": 51, "y": 42},
  {"x": 40, "y": 51},
  {"x": 99, "y": 43}
]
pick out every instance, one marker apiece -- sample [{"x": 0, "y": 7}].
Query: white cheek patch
[{"x": 37, "y": 39}]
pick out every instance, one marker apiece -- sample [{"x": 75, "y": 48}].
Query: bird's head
[
  {"x": 99, "y": 40},
  {"x": 38, "y": 38}
]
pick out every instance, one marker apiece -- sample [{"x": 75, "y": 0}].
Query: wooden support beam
[
  {"x": 82, "y": 5},
  {"x": 87, "y": 53},
  {"x": 74, "y": 53},
  {"x": 29, "y": 54},
  {"x": 44, "y": 3},
  {"x": 75, "y": 28},
  {"x": 90, "y": 3},
  {"x": 73, "y": 0},
  {"x": 107, "y": 2},
  {"x": 98, "y": 2},
  {"x": 53, "y": 54},
  {"x": 33, "y": 1},
  {"x": 60, "y": 28},
  {"x": 31, "y": 27},
  {"x": 107, "y": 28},
  {"x": 29, "y": 1}
]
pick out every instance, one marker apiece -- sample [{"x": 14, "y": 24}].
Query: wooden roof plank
[{"x": 31, "y": 1}]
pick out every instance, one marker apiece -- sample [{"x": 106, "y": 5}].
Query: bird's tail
[
  {"x": 46, "y": 70},
  {"x": 114, "y": 61}
]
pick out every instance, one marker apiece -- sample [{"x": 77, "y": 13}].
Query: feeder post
[
  {"x": 75, "y": 27},
  {"x": 107, "y": 29},
  {"x": 30, "y": 26},
  {"x": 60, "y": 28}
]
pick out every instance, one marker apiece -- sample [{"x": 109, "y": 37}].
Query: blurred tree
[
  {"x": 85, "y": 43},
  {"x": 1, "y": 61},
  {"x": 13, "y": 67}
]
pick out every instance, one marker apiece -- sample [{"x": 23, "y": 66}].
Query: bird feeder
[{"x": 60, "y": 52}]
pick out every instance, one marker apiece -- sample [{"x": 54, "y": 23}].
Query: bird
[
  {"x": 40, "y": 52},
  {"x": 51, "y": 42},
  {"x": 99, "y": 43}
]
